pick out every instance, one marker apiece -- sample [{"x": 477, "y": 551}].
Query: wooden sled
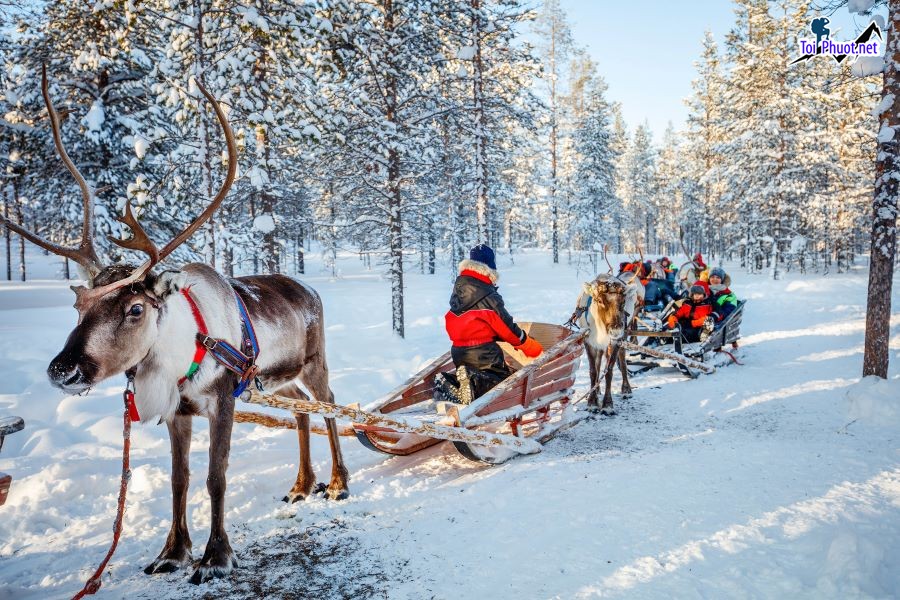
[
  {"x": 690, "y": 359},
  {"x": 8, "y": 425},
  {"x": 514, "y": 418},
  {"x": 532, "y": 403}
]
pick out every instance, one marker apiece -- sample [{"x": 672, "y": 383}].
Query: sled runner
[
  {"x": 691, "y": 359},
  {"x": 516, "y": 417},
  {"x": 8, "y": 425}
]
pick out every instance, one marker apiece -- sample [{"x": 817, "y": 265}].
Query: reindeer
[
  {"x": 608, "y": 305},
  {"x": 145, "y": 324}
]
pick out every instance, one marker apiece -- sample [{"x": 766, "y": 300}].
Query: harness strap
[
  {"x": 241, "y": 363},
  {"x": 200, "y": 351}
]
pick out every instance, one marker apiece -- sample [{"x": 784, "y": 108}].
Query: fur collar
[{"x": 480, "y": 268}]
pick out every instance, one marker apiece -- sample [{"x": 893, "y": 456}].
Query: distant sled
[{"x": 690, "y": 359}]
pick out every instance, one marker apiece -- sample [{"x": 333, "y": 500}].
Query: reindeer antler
[
  {"x": 606, "y": 258},
  {"x": 142, "y": 242},
  {"x": 85, "y": 254}
]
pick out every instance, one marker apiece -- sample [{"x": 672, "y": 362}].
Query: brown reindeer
[
  {"x": 136, "y": 321},
  {"x": 609, "y": 304}
]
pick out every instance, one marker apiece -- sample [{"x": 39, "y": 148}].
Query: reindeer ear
[{"x": 168, "y": 283}]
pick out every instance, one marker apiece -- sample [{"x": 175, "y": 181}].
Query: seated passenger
[
  {"x": 694, "y": 316},
  {"x": 476, "y": 321},
  {"x": 670, "y": 269},
  {"x": 723, "y": 299},
  {"x": 694, "y": 273}
]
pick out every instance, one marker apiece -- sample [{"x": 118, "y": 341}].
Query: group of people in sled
[{"x": 477, "y": 318}]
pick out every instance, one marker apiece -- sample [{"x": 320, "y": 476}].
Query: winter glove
[
  {"x": 672, "y": 321},
  {"x": 698, "y": 322},
  {"x": 530, "y": 347}
]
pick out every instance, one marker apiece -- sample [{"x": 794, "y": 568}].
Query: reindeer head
[
  {"x": 608, "y": 295},
  {"x": 118, "y": 314}
]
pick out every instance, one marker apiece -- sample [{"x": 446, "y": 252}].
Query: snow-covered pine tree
[
  {"x": 556, "y": 36},
  {"x": 595, "y": 189},
  {"x": 639, "y": 188},
  {"x": 704, "y": 162}
]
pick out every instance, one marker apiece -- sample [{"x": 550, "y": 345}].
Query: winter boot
[
  {"x": 708, "y": 326},
  {"x": 445, "y": 388},
  {"x": 466, "y": 391}
]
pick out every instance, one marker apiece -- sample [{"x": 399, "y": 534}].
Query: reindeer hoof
[
  {"x": 300, "y": 491},
  {"x": 339, "y": 494},
  {"x": 607, "y": 411},
  {"x": 593, "y": 408},
  {"x": 627, "y": 393},
  {"x": 166, "y": 565},
  {"x": 293, "y": 496},
  {"x": 205, "y": 573}
]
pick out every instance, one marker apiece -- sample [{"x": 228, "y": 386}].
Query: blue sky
[{"x": 646, "y": 50}]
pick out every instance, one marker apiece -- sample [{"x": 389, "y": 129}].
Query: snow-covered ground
[{"x": 779, "y": 478}]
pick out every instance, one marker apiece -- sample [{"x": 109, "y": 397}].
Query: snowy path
[{"x": 758, "y": 481}]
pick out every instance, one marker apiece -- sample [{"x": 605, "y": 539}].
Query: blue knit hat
[
  {"x": 483, "y": 254},
  {"x": 717, "y": 272}
]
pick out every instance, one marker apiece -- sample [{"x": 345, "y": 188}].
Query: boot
[
  {"x": 466, "y": 393},
  {"x": 708, "y": 326},
  {"x": 445, "y": 389}
]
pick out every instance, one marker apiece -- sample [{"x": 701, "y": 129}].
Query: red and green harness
[{"x": 240, "y": 361}]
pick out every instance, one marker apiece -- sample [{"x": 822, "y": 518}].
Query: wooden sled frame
[
  {"x": 8, "y": 425},
  {"x": 515, "y": 417}
]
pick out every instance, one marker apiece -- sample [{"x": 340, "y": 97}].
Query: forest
[{"x": 408, "y": 130}]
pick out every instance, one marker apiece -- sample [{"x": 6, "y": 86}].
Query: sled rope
[
  {"x": 731, "y": 356},
  {"x": 93, "y": 584}
]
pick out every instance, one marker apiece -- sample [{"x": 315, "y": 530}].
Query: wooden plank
[
  {"x": 514, "y": 411},
  {"x": 5, "y": 481},
  {"x": 561, "y": 371},
  {"x": 679, "y": 358},
  {"x": 485, "y": 438},
  {"x": 548, "y": 388},
  {"x": 276, "y": 422},
  {"x": 392, "y": 396},
  {"x": 476, "y": 408}
]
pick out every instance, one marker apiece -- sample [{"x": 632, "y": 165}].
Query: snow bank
[{"x": 876, "y": 401}]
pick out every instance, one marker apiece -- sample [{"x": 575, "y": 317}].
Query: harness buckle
[{"x": 208, "y": 342}]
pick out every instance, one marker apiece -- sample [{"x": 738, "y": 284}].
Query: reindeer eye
[{"x": 136, "y": 310}]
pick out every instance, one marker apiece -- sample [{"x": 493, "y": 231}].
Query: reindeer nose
[{"x": 66, "y": 377}]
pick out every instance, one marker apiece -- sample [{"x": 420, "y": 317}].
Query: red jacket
[
  {"x": 694, "y": 312},
  {"x": 477, "y": 315}
]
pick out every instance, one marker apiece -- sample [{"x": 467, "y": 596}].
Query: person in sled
[
  {"x": 670, "y": 269},
  {"x": 476, "y": 321},
  {"x": 693, "y": 273},
  {"x": 695, "y": 315},
  {"x": 723, "y": 300}
]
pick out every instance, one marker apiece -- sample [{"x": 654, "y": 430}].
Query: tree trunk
[
  {"x": 203, "y": 133},
  {"x": 395, "y": 222},
  {"x": 8, "y": 235},
  {"x": 482, "y": 209},
  {"x": 554, "y": 208},
  {"x": 884, "y": 211}
]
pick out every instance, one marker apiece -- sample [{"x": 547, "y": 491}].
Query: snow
[
  {"x": 867, "y": 65},
  {"x": 95, "y": 116},
  {"x": 778, "y": 478},
  {"x": 466, "y": 53},
  {"x": 860, "y": 6},
  {"x": 140, "y": 146},
  {"x": 886, "y": 134},
  {"x": 264, "y": 223}
]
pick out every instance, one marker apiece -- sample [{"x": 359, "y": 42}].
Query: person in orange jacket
[
  {"x": 694, "y": 316},
  {"x": 476, "y": 321}
]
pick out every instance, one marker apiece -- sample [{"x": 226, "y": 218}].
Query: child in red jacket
[
  {"x": 694, "y": 316},
  {"x": 476, "y": 321}
]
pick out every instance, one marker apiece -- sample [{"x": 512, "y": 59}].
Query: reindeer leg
[
  {"x": 306, "y": 478},
  {"x": 218, "y": 558},
  {"x": 623, "y": 368},
  {"x": 593, "y": 405},
  {"x": 607, "y": 408},
  {"x": 177, "y": 551},
  {"x": 315, "y": 377}
]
